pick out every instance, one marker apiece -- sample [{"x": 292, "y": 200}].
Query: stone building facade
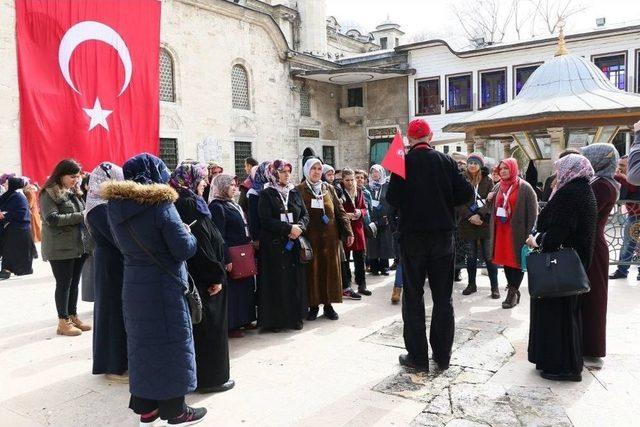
[{"x": 262, "y": 78}]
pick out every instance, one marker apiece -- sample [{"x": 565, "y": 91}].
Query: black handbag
[
  {"x": 306, "y": 251},
  {"x": 556, "y": 274},
  {"x": 191, "y": 292}
]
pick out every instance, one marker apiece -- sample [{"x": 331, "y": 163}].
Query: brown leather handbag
[{"x": 243, "y": 260}]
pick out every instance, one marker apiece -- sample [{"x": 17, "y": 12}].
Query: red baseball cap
[{"x": 418, "y": 128}]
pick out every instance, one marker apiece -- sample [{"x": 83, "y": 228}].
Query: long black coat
[
  {"x": 241, "y": 293},
  {"x": 109, "y": 336},
  {"x": 207, "y": 268},
  {"x": 555, "y": 336},
  {"x": 382, "y": 245},
  {"x": 283, "y": 288}
]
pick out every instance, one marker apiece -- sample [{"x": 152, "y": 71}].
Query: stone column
[
  {"x": 480, "y": 145},
  {"x": 506, "y": 148},
  {"x": 558, "y": 143},
  {"x": 470, "y": 144}
]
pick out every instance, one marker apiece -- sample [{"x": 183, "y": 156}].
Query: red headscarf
[{"x": 505, "y": 184}]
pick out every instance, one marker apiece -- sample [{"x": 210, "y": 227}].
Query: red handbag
[{"x": 243, "y": 260}]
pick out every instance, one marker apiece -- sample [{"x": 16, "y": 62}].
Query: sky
[{"x": 435, "y": 18}]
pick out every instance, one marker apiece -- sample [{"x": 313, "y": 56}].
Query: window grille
[
  {"x": 614, "y": 67},
  {"x": 329, "y": 155},
  {"x": 241, "y": 150},
  {"x": 167, "y": 78},
  {"x": 355, "y": 97},
  {"x": 459, "y": 94},
  {"x": 240, "y": 88},
  {"x": 493, "y": 88},
  {"x": 522, "y": 75},
  {"x": 428, "y": 96},
  {"x": 169, "y": 152}
]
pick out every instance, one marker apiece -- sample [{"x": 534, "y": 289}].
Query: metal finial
[{"x": 562, "y": 44}]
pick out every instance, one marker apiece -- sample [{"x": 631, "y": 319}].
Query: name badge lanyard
[
  {"x": 320, "y": 199},
  {"x": 285, "y": 206},
  {"x": 505, "y": 204},
  {"x": 244, "y": 220}
]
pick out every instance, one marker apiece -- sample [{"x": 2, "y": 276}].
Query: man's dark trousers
[{"x": 429, "y": 255}]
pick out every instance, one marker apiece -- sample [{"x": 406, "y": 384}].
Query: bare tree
[
  {"x": 522, "y": 14},
  {"x": 553, "y": 12},
  {"x": 484, "y": 19}
]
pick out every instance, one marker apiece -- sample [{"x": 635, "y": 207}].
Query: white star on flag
[{"x": 98, "y": 115}]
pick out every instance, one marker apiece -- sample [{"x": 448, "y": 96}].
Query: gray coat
[
  {"x": 523, "y": 219},
  {"x": 62, "y": 223},
  {"x": 467, "y": 231}
]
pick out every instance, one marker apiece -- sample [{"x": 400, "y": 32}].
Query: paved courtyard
[{"x": 331, "y": 373}]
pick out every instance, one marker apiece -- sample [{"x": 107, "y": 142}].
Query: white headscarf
[
  {"x": 383, "y": 176},
  {"x": 102, "y": 173},
  {"x": 317, "y": 187}
]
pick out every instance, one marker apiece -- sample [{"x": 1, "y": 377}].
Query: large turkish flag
[{"x": 88, "y": 76}]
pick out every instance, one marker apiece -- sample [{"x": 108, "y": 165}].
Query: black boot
[
  {"x": 457, "y": 277},
  {"x": 406, "y": 361},
  {"x": 495, "y": 292},
  {"x": 313, "y": 313},
  {"x": 512, "y": 299},
  {"x": 330, "y": 313},
  {"x": 470, "y": 289}
]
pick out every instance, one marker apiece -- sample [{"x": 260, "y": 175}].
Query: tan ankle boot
[
  {"x": 395, "y": 296},
  {"x": 65, "y": 327},
  {"x": 78, "y": 324}
]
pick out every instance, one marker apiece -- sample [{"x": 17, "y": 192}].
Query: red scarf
[{"x": 512, "y": 183}]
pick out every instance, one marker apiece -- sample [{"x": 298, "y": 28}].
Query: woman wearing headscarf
[
  {"x": 109, "y": 336},
  {"x": 531, "y": 176},
  {"x": 284, "y": 217},
  {"x": 513, "y": 215},
  {"x": 568, "y": 220},
  {"x": 62, "y": 210},
  {"x": 604, "y": 159},
  {"x": 155, "y": 244},
  {"x": 87, "y": 284},
  {"x": 208, "y": 272},
  {"x": 328, "y": 226},
  {"x": 380, "y": 247},
  {"x": 329, "y": 176},
  {"x": 31, "y": 192},
  {"x": 259, "y": 177},
  {"x": 213, "y": 170},
  {"x": 229, "y": 218},
  {"x": 474, "y": 225},
  {"x": 15, "y": 223}
]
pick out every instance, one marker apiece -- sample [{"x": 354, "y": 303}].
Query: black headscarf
[{"x": 15, "y": 183}]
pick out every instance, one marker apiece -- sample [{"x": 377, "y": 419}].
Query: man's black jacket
[{"x": 433, "y": 188}]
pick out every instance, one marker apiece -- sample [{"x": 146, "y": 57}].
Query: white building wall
[
  {"x": 439, "y": 61},
  {"x": 9, "y": 100}
]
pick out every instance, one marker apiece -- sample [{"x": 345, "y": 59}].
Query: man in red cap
[{"x": 425, "y": 201}]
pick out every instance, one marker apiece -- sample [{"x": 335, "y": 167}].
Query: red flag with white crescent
[
  {"x": 394, "y": 159},
  {"x": 88, "y": 76}
]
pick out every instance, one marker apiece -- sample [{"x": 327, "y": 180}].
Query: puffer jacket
[{"x": 156, "y": 314}]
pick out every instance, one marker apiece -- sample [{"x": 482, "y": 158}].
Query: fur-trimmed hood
[
  {"x": 139, "y": 193},
  {"x": 57, "y": 193},
  {"x": 127, "y": 199}
]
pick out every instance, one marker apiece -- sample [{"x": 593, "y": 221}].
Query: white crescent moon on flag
[{"x": 92, "y": 30}]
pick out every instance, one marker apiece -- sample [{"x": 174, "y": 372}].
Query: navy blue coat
[
  {"x": 17, "y": 211},
  {"x": 109, "y": 336},
  {"x": 156, "y": 314}
]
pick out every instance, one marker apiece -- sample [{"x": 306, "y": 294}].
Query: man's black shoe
[
  {"x": 442, "y": 365},
  {"x": 617, "y": 275},
  {"x": 313, "y": 313},
  {"x": 576, "y": 377},
  {"x": 407, "y": 362},
  {"x": 362, "y": 290}
]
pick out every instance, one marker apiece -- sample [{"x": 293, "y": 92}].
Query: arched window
[
  {"x": 240, "y": 88},
  {"x": 167, "y": 78}
]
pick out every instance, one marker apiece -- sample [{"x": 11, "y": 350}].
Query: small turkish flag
[
  {"x": 394, "y": 159},
  {"x": 88, "y": 75}
]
